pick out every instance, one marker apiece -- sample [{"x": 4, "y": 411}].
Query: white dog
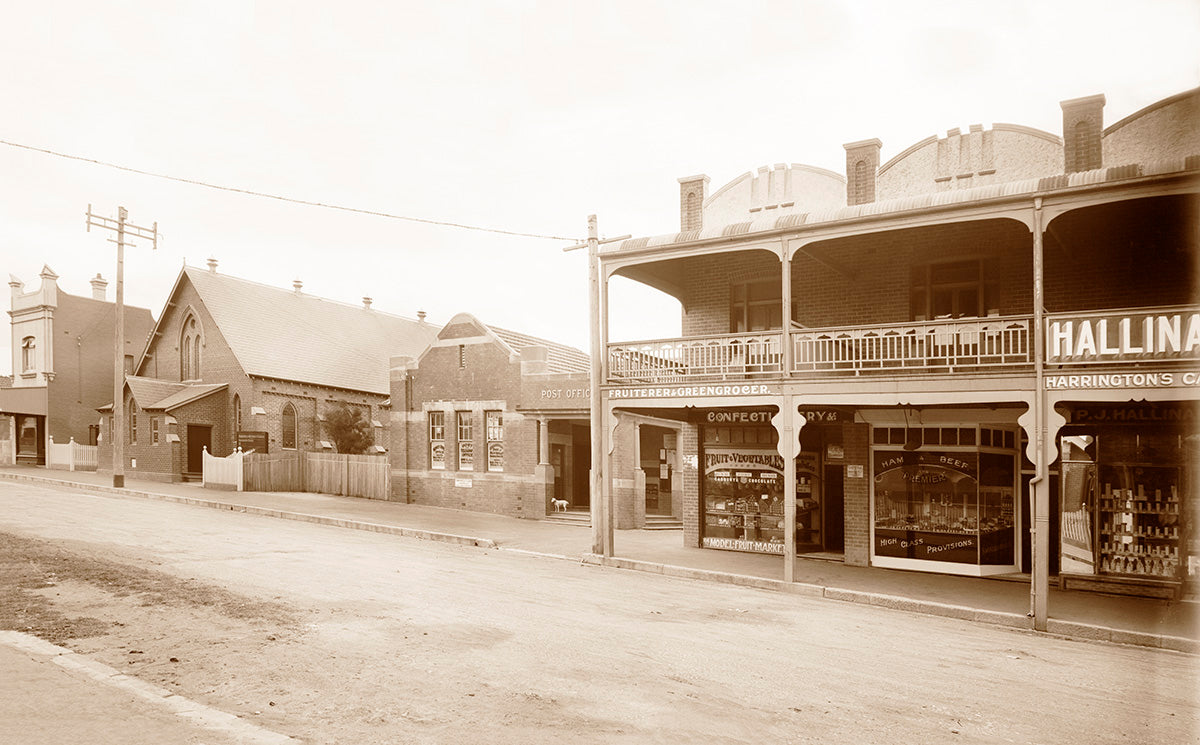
[{"x": 560, "y": 505}]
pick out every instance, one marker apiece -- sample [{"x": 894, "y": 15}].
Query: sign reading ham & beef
[{"x": 1162, "y": 335}]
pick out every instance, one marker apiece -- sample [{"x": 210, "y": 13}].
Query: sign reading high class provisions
[{"x": 1163, "y": 335}]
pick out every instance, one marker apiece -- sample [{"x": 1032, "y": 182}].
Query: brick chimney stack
[
  {"x": 1083, "y": 124},
  {"x": 862, "y": 163},
  {"x": 99, "y": 285},
  {"x": 693, "y": 190}
]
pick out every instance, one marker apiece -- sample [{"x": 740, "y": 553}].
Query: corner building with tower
[{"x": 980, "y": 357}]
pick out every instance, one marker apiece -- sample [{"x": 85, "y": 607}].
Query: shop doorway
[
  {"x": 657, "y": 461},
  {"x": 835, "y": 509},
  {"x": 581, "y": 468},
  {"x": 31, "y": 440}
]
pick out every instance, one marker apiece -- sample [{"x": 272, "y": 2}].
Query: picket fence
[
  {"x": 223, "y": 473},
  {"x": 366, "y": 476},
  {"x": 71, "y": 456}
]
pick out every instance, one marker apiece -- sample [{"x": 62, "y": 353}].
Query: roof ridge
[{"x": 310, "y": 296}]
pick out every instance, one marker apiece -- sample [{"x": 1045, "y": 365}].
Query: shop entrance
[
  {"x": 657, "y": 461},
  {"x": 31, "y": 440}
]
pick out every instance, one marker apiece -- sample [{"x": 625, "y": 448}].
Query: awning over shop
[{"x": 31, "y": 400}]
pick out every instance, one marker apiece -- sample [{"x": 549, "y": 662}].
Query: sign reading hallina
[{"x": 1130, "y": 336}]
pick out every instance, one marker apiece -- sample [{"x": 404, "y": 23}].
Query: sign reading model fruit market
[{"x": 1161, "y": 334}]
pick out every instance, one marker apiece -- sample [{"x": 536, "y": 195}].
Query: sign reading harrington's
[
  {"x": 1162, "y": 335},
  {"x": 695, "y": 391}
]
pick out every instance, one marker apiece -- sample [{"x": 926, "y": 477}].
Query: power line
[{"x": 292, "y": 200}]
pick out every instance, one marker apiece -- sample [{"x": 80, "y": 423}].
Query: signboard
[
  {"x": 1186, "y": 379},
  {"x": 1139, "y": 414},
  {"x": 250, "y": 440},
  {"x": 695, "y": 391},
  {"x": 463, "y": 483},
  {"x": 437, "y": 455},
  {"x": 495, "y": 456},
  {"x": 737, "y": 544},
  {"x": 721, "y": 416},
  {"x": 1123, "y": 337}
]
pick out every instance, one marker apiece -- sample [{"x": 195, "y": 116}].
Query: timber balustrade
[{"x": 918, "y": 347}]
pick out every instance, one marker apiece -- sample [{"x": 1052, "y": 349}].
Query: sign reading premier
[{"x": 1134, "y": 336}]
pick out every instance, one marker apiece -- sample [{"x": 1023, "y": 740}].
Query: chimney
[
  {"x": 692, "y": 192},
  {"x": 862, "y": 163},
  {"x": 1083, "y": 124},
  {"x": 297, "y": 285},
  {"x": 421, "y": 316},
  {"x": 212, "y": 264},
  {"x": 366, "y": 303},
  {"x": 99, "y": 284}
]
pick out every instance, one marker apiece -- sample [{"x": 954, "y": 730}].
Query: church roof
[{"x": 293, "y": 336}]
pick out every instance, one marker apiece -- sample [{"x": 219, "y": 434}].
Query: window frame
[
  {"x": 464, "y": 422},
  {"x": 742, "y": 306},
  {"x": 29, "y": 354},
  {"x": 437, "y": 437},
  {"x": 493, "y": 426},
  {"x": 289, "y": 412}
]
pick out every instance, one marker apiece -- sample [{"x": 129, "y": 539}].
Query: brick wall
[
  {"x": 856, "y": 492},
  {"x": 689, "y": 444},
  {"x": 1083, "y": 124},
  {"x": 707, "y": 289}
]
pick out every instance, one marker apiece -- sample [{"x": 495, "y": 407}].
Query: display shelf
[{"x": 1138, "y": 522}]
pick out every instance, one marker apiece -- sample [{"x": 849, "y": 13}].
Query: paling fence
[
  {"x": 70, "y": 456},
  {"x": 324, "y": 473}
]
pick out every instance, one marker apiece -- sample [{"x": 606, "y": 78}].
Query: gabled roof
[
  {"x": 560, "y": 357},
  {"x": 289, "y": 335},
  {"x": 153, "y": 394}
]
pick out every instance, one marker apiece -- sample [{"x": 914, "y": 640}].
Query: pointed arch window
[
  {"x": 133, "y": 422},
  {"x": 189, "y": 349},
  {"x": 237, "y": 416},
  {"x": 287, "y": 437}
]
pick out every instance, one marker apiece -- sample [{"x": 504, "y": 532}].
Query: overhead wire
[{"x": 292, "y": 200}]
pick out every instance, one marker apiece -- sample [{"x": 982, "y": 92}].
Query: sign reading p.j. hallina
[{"x": 1162, "y": 335}]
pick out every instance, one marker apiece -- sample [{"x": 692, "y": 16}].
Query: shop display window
[
  {"x": 1122, "y": 507},
  {"x": 947, "y": 505}
]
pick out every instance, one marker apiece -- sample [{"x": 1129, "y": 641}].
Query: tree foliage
[{"x": 347, "y": 426}]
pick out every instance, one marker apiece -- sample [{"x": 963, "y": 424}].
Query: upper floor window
[
  {"x": 189, "y": 349},
  {"x": 287, "y": 437},
  {"x": 951, "y": 289},
  {"x": 755, "y": 306},
  {"x": 28, "y": 354}
]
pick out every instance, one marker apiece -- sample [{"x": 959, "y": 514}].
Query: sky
[{"x": 515, "y": 116}]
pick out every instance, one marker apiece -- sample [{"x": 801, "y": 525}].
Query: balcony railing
[
  {"x": 725, "y": 357},
  {"x": 990, "y": 342},
  {"x": 900, "y": 348}
]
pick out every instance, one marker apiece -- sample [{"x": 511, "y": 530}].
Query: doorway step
[
  {"x": 663, "y": 522},
  {"x": 571, "y": 517},
  {"x": 189, "y": 477}
]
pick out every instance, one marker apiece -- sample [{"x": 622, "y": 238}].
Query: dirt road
[{"x": 337, "y": 636}]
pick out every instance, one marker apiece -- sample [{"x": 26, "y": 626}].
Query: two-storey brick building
[
  {"x": 493, "y": 420},
  {"x": 914, "y": 364},
  {"x": 237, "y": 363},
  {"x": 62, "y": 361}
]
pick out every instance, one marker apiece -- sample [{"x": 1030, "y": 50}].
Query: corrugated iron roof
[
  {"x": 560, "y": 357},
  {"x": 287, "y": 335},
  {"x": 907, "y": 203}
]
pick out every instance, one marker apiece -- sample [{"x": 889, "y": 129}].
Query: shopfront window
[
  {"x": 1123, "y": 496},
  {"x": 743, "y": 483},
  {"x": 947, "y": 505}
]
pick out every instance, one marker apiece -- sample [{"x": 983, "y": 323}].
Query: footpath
[{"x": 1004, "y": 602}]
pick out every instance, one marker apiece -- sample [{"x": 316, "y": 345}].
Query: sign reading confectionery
[{"x": 1162, "y": 335}]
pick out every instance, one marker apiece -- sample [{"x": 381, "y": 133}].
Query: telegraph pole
[
  {"x": 601, "y": 498},
  {"x": 123, "y": 229}
]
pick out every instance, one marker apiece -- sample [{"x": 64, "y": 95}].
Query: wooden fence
[
  {"x": 222, "y": 473},
  {"x": 367, "y": 476},
  {"x": 71, "y": 456}
]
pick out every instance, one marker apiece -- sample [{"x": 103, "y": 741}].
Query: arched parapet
[{"x": 774, "y": 190}]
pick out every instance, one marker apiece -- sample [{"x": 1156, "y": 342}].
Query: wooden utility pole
[
  {"x": 600, "y": 498},
  {"x": 123, "y": 230}
]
